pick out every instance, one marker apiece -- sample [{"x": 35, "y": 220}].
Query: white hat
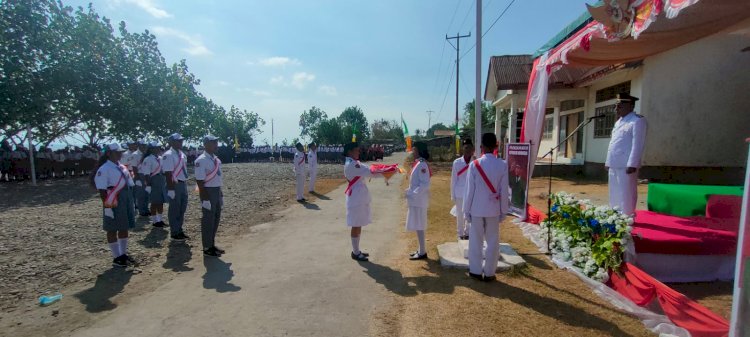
[
  {"x": 115, "y": 147},
  {"x": 175, "y": 137},
  {"x": 209, "y": 138}
]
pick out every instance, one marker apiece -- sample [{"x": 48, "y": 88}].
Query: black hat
[
  {"x": 625, "y": 97},
  {"x": 467, "y": 141},
  {"x": 421, "y": 146},
  {"x": 348, "y": 147}
]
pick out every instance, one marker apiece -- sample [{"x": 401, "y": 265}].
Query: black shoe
[
  {"x": 179, "y": 237},
  {"x": 301, "y": 201},
  {"x": 365, "y": 254},
  {"x": 219, "y": 250},
  {"x": 129, "y": 259},
  {"x": 476, "y": 276},
  {"x": 417, "y": 256},
  {"x": 120, "y": 262},
  {"x": 158, "y": 224},
  {"x": 489, "y": 278},
  {"x": 211, "y": 252},
  {"x": 360, "y": 257},
  {"x": 465, "y": 237},
  {"x": 162, "y": 224}
]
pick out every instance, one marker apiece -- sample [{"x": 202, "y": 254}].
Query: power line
[
  {"x": 445, "y": 97},
  {"x": 467, "y": 16},
  {"x": 455, "y": 10},
  {"x": 492, "y": 25}
]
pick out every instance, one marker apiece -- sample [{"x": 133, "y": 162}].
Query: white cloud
[
  {"x": 328, "y": 90},
  {"x": 277, "y": 61},
  {"x": 299, "y": 80},
  {"x": 151, "y": 8},
  {"x": 276, "y": 80},
  {"x": 194, "y": 46}
]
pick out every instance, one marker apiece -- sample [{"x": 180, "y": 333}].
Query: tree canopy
[{"x": 66, "y": 73}]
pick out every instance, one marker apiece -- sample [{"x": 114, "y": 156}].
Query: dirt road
[{"x": 291, "y": 277}]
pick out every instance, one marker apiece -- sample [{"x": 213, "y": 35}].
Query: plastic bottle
[{"x": 47, "y": 300}]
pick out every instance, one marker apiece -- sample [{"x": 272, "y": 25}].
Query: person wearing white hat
[
  {"x": 155, "y": 184},
  {"x": 209, "y": 177},
  {"x": 458, "y": 187},
  {"x": 174, "y": 164},
  {"x": 114, "y": 183}
]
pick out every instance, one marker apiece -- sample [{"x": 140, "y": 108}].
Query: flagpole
[{"x": 478, "y": 98}]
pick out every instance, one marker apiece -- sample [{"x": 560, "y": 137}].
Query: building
[{"x": 696, "y": 98}]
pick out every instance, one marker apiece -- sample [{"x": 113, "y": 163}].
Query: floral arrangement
[{"x": 592, "y": 238}]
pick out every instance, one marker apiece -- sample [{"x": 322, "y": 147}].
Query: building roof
[{"x": 511, "y": 72}]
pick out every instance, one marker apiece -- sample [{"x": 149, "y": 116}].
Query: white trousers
[
  {"x": 461, "y": 227},
  {"x": 300, "y": 185},
  {"x": 623, "y": 190},
  {"x": 484, "y": 229},
  {"x": 313, "y": 177}
]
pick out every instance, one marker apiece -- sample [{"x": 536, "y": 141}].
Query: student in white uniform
[
  {"x": 312, "y": 161},
  {"x": 624, "y": 155},
  {"x": 208, "y": 176},
  {"x": 485, "y": 205},
  {"x": 174, "y": 164},
  {"x": 418, "y": 198},
  {"x": 114, "y": 183},
  {"x": 155, "y": 184},
  {"x": 358, "y": 213},
  {"x": 299, "y": 171},
  {"x": 458, "y": 187}
]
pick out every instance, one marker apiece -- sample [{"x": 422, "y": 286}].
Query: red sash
[
  {"x": 348, "y": 190},
  {"x": 302, "y": 160},
  {"x": 110, "y": 201},
  {"x": 414, "y": 166},
  {"x": 462, "y": 171},
  {"x": 211, "y": 175},
  {"x": 158, "y": 168},
  {"x": 176, "y": 172},
  {"x": 484, "y": 177}
]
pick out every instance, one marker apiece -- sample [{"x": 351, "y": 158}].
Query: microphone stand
[{"x": 549, "y": 176}]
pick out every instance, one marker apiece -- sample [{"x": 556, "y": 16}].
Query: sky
[{"x": 279, "y": 58}]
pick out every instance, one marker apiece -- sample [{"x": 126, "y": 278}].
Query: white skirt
[
  {"x": 358, "y": 216},
  {"x": 416, "y": 219}
]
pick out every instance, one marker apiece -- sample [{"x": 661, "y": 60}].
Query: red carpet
[{"x": 665, "y": 234}]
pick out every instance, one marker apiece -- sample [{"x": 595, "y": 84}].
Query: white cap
[
  {"x": 115, "y": 147},
  {"x": 175, "y": 137},
  {"x": 209, "y": 138}
]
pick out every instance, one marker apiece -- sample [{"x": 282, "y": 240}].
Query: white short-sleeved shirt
[
  {"x": 312, "y": 158},
  {"x": 359, "y": 194},
  {"x": 479, "y": 201},
  {"x": 151, "y": 165},
  {"x": 299, "y": 162},
  {"x": 458, "y": 182},
  {"x": 204, "y": 166},
  {"x": 109, "y": 174},
  {"x": 418, "y": 194},
  {"x": 171, "y": 163}
]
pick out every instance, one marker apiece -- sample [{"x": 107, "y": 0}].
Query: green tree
[
  {"x": 353, "y": 119},
  {"x": 330, "y": 131},
  {"x": 309, "y": 122},
  {"x": 383, "y": 129},
  {"x": 488, "y": 118}
]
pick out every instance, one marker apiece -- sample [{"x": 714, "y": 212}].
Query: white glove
[
  {"x": 109, "y": 213},
  {"x": 467, "y": 217},
  {"x": 206, "y": 204},
  {"x": 148, "y": 189},
  {"x": 170, "y": 194},
  {"x": 138, "y": 183}
]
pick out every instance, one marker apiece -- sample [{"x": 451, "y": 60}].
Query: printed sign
[{"x": 517, "y": 155}]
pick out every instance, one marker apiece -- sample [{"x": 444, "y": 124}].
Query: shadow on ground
[
  {"x": 98, "y": 298},
  {"x": 218, "y": 275}
]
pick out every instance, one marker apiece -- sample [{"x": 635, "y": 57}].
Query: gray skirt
[
  {"x": 124, "y": 213},
  {"x": 158, "y": 185}
]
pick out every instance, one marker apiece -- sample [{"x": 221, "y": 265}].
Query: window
[
  {"x": 603, "y": 126},
  {"x": 571, "y": 104},
  {"x": 609, "y": 93},
  {"x": 549, "y": 125},
  {"x": 519, "y": 124}
]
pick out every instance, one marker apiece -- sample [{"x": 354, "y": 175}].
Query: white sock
[
  {"x": 158, "y": 217},
  {"x": 355, "y": 245},
  {"x": 420, "y": 237},
  {"x": 153, "y": 219},
  {"x": 115, "y": 248},
  {"x": 123, "y": 242}
]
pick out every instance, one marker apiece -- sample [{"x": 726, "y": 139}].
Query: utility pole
[
  {"x": 429, "y": 119},
  {"x": 478, "y": 100},
  {"x": 458, "y": 63}
]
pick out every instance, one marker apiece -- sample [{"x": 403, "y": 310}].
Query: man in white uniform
[
  {"x": 458, "y": 187},
  {"x": 174, "y": 165},
  {"x": 312, "y": 161},
  {"x": 208, "y": 177},
  {"x": 485, "y": 205},
  {"x": 624, "y": 154},
  {"x": 299, "y": 171}
]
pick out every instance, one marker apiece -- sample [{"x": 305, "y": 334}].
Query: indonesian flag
[
  {"x": 386, "y": 170},
  {"x": 536, "y": 104}
]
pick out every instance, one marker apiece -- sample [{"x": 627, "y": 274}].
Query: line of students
[
  {"x": 479, "y": 189},
  {"x": 300, "y": 173},
  {"x": 161, "y": 178}
]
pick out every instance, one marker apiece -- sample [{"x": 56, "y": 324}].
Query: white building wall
[{"x": 697, "y": 101}]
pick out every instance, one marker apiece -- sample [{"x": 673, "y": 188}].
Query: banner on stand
[{"x": 517, "y": 155}]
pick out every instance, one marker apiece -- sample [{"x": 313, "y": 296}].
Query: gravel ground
[{"x": 51, "y": 236}]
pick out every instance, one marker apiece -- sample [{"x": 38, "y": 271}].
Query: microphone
[{"x": 597, "y": 117}]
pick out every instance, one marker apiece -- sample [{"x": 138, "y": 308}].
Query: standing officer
[
  {"x": 458, "y": 186},
  {"x": 174, "y": 165},
  {"x": 358, "y": 213},
  {"x": 155, "y": 184},
  {"x": 418, "y": 198},
  {"x": 485, "y": 205},
  {"x": 312, "y": 161},
  {"x": 114, "y": 184},
  {"x": 208, "y": 176},
  {"x": 624, "y": 154},
  {"x": 299, "y": 171}
]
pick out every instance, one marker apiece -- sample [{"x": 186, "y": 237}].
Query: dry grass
[{"x": 539, "y": 300}]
